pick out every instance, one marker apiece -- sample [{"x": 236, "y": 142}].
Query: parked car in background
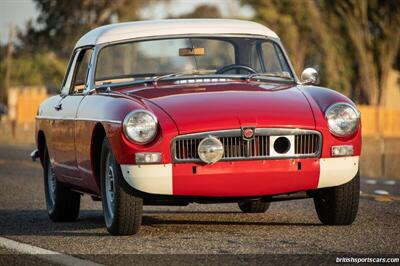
[{"x": 172, "y": 112}]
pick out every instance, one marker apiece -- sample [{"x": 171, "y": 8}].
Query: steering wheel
[{"x": 227, "y": 68}]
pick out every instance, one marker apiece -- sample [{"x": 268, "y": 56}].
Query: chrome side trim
[
  {"x": 77, "y": 119},
  {"x": 258, "y": 132},
  {"x": 53, "y": 118},
  {"x": 98, "y": 120}
]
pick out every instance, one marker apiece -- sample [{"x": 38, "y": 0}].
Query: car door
[{"x": 63, "y": 128}]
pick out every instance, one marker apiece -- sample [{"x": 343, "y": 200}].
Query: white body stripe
[
  {"x": 157, "y": 178},
  {"x": 151, "y": 178},
  {"x": 337, "y": 171}
]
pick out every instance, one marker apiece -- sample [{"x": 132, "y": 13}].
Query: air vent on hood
[{"x": 201, "y": 80}]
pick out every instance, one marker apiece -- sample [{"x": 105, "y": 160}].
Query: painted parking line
[
  {"x": 380, "y": 192},
  {"x": 389, "y": 182},
  {"x": 44, "y": 254},
  {"x": 371, "y": 181},
  {"x": 381, "y": 198}
]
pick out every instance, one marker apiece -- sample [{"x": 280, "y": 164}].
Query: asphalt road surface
[{"x": 287, "y": 227}]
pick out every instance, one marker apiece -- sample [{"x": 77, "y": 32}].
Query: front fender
[
  {"x": 320, "y": 99},
  {"x": 111, "y": 109}
]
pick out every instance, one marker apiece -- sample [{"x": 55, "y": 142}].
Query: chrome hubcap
[{"x": 110, "y": 187}]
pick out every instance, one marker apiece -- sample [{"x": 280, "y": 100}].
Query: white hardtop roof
[{"x": 154, "y": 28}]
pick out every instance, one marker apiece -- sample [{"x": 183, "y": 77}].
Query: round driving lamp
[
  {"x": 343, "y": 119},
  {"x": 140, "y": 126},
  {"x": 210, "y": 150}
]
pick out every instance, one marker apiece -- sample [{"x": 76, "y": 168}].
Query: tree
[
  {"x": 45, "y": 46},
  {"x": 61, "y": 23},
  {"x": 306, "y": 33},
  {"x": 374, "y": 30},
  {"x": 203, "y": 11},
  {"x": 354, "y": 42}
]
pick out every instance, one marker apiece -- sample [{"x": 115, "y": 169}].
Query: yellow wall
[
  {"x": 392, "y": 95},
  {"x": 380, "y": 121},
  {"x": 24, "y": 103}
]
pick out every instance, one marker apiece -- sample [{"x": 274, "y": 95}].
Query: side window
[
  {"x": 68, "y": 79},
  {"x": 273, "y": 58},
  {"x": 82, "y": 70}
]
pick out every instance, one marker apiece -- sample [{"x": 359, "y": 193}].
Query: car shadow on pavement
[
  {"x": 15, "y": 222},
  {"x": 152, "y": 221},
  {"x": 20, "y": 222},
  {"x": 189, "y": 212}
]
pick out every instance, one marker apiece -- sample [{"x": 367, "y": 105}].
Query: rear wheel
[
  {"x": 338, "y": 205},
  {"x": 122, "y": 210},
  {"x": 254, "y": 206},
  {"x": 62, "y": 203}
]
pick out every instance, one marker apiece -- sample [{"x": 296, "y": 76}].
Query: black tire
[
  {"x": 338, "y": 205},
  {"x": 62, "y": 203},
  {"x": 254, "y": 206},
  {"x": 122, "y": 214}
]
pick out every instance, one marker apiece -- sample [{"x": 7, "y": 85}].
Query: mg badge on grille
[{"x": 248, "y": 133}]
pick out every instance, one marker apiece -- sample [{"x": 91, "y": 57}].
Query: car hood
[{"x": 233, "y": 105}]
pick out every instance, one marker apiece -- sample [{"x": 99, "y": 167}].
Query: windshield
[{"x": 140, "y": 60}]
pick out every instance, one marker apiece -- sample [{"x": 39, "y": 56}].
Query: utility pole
[{"x": 6, "y": 86}]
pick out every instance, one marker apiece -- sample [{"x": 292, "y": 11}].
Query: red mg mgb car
[{"x": 172, "y": 112}]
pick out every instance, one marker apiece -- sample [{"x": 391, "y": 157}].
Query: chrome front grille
[
  {"x": 307, "y": 143},
  {"x": 237, "y": 147}
]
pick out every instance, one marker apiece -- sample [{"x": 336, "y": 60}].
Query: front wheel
[
  {"x": 122, "y": 210},
  {"x": 338, "y": 205}
]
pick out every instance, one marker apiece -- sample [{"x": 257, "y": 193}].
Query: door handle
[{"x": 58, "y": 107}]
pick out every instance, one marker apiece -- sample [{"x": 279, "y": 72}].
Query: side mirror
[{"x": 310, "y": 76}]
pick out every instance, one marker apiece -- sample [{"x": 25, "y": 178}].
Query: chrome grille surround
[{"x": 308, "y": 144}]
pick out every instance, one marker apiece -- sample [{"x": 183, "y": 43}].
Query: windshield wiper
[
  {"x": 284, "y": 75},
  {"x": 154, "y": 80}
]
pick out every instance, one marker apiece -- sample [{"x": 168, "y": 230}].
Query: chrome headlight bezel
[
  {"x": 356, "y": 119},
  {"x": 125, "y": 125}
]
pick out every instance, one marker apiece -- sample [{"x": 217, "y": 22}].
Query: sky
[
  {"x": 19, "y": 12},
  {"x": 16, "y": 12}
]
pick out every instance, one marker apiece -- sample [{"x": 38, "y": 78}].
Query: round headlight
[
  {"x": 140, "y": 126},
  {"x": 210, "y": 150},
  {"x": 343, "y": 119}
]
